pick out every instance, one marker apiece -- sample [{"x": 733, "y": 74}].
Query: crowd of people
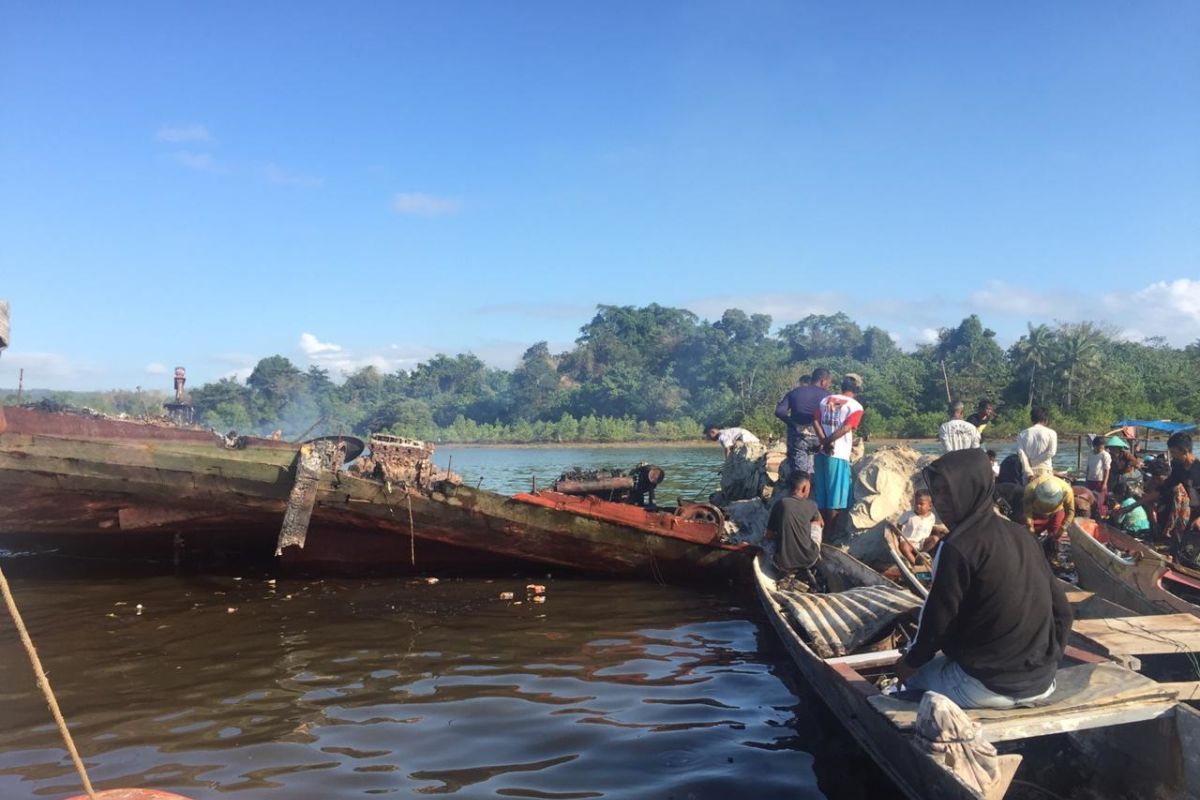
[{"x": 996, "y": 621}]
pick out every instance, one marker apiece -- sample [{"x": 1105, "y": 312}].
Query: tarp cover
[
  {"x": 839, "y": 623},
  {"x": 1162, "y": 425},
  {"x": 884, "y": 482}
]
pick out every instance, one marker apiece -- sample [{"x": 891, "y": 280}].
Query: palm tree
[
  {"x": 1080, "y": 349},
  {"x": 1033, "y": 351}
]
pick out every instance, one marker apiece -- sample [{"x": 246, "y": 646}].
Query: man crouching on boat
[{"x": 995, "y": 611}]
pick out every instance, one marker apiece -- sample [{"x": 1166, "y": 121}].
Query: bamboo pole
[{"x": 44, "y": 684}]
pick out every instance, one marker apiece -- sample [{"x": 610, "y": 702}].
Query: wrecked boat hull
[{"x": 64, "y": 475}]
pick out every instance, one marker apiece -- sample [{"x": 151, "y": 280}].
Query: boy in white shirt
[{"x": 918, "y": 530}]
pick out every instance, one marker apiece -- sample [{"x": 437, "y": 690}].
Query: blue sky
[{"x": 343, "y": 184}]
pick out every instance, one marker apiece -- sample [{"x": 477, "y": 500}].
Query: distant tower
[{"x": 181, "y": 411}]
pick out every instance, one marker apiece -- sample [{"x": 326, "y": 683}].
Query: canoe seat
[{"x": 1086, "y": 696}]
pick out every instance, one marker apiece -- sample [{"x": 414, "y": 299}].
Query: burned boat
[{"x": 65, "y": 474}]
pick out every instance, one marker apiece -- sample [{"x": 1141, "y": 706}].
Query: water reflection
[{"x": 321, "y": 689}]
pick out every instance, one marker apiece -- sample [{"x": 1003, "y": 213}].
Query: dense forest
[{"x": 661, "y": 373}]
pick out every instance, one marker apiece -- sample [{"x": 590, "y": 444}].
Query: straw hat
[{"x": 1049, "y": 492}]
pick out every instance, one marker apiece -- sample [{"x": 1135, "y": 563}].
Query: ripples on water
[{"x": 335, "y": 688}]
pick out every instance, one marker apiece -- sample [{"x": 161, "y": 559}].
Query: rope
[
  {"x": 44, "y": 684},
  {"x": 412, "y": 532}
]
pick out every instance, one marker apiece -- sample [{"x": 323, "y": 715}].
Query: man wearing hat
[{"x": 1048, "y": 507}]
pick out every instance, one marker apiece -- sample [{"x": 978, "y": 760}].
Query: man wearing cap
[
  {"x": 1048, "y": 506},
  {"x": 956, "y": 433}
]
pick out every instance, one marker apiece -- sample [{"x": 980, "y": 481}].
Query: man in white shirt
[
  {"x": 1037, "y": 444},
  {"x": 836, "y": 418},
  {"x": 956, "y": 433},
  {"x": 728, "y": 437}
]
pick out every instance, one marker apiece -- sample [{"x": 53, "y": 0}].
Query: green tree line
[{"x": 660, "y": 373}]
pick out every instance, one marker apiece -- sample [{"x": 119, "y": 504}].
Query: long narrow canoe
[
  {"x": 1121, "y": 569},
  {"x": 1138, "y": 739}
]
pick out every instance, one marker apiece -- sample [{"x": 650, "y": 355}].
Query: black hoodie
[{"x": 994, "y": 607}]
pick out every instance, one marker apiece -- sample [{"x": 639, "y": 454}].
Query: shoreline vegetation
[{"x": 660, "y": 375}]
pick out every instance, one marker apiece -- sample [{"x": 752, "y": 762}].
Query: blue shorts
[{"x": 831, "y": 482}]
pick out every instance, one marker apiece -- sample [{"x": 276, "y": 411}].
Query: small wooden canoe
[
  {"x": 1137, "y": 738},
  {"x": 1130, "y": 573}
]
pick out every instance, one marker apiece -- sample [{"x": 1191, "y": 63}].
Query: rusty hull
[{"x": 62, "y": 475}]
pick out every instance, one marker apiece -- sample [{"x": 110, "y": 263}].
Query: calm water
[
  {"x": 690, "y": 471},
  {"x": 243, "y": 688},
  {"x": 247, "y": 688}
]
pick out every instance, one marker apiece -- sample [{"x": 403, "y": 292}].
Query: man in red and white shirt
[{"x": 837, "y": 417}]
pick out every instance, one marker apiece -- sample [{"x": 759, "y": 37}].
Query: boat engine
[{"x": 635, "y": 486}]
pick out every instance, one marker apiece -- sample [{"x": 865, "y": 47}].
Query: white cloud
[
  {"x": 1180, "y": 297},
  {"x": 927, "y": 336},
  {"x": 1002, "y": 298},
  {"x": 202, "y": 162},
  {"x": 418, "y": 204},
  {"x": 1170, "y": 309},
  {"x": 155, "y": 368},
  {"x": 277, "y": 175},
  {"x": 189, "y": 132},
  {"x": 314, "y": 347}
]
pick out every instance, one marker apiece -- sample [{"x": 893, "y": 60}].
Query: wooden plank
[
  {"x": 1076, "y": 720},
  {"x": 1083, "y": 655},
  {"x": 857, "y": 682},
  {"x": 882, "y": 658},
  {"x": 1078, "y": 596},
  {"x": 1184, "y": 690},
  {"x": 1161, "y": 633}
]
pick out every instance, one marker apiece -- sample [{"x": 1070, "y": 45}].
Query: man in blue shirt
[{"x": 797, "y": 409}]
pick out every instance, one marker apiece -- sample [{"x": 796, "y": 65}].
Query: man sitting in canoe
[
  {"x": 994, "y": 610},
  {"x": 790, "y": 526}
]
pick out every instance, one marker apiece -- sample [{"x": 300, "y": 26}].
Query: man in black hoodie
[{"x": 995, "y": 611}]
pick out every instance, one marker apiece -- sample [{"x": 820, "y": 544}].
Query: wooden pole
[
  {"x": 44, "y": 684},
  {"x": 946, "y": 379},
  {"x": 20, "y": 384}
]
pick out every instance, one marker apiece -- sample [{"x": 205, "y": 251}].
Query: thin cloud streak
[
  {"x": 180, "y": 134},
  {"x": 419, "y": 204},
  {"x": 278, "y": 176},
  {"x": 201, "y": 162}
]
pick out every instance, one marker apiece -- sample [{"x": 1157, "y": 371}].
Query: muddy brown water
[
  {"x": 225, "y": 684},
  {"x": 248, "y": 688}
]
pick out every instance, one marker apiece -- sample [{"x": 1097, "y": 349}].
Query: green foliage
[{"x": 658, "y": 373}]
